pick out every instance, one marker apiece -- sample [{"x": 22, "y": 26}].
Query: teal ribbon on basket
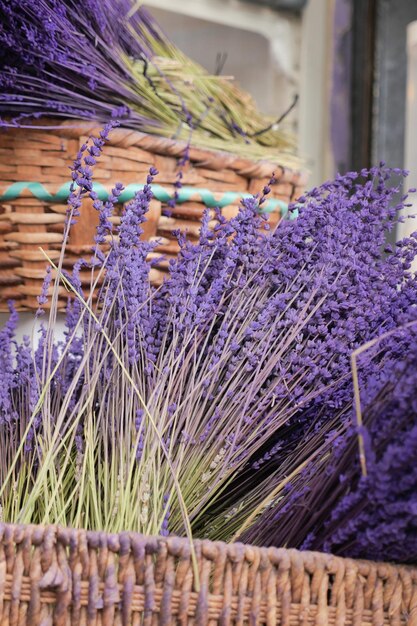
[{"x": 185, "y": 194}]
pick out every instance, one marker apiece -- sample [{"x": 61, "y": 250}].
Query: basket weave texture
[
  {"x": 62, "y": 577},
  {"x": 30, "y": 219}
]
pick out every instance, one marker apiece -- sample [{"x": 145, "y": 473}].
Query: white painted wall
[
  {"x": 272, "y": 54},
  {"x": 314, "y": 89},
  {"x": 410, "y": 157}
]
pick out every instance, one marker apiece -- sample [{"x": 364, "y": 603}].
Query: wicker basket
[
  {"x": 34, "y": 187},
  {"x": 62, "y": 577}
]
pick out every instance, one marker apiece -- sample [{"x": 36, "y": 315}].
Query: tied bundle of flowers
[
  {"x": 112, "y": 58},
  {"x": 367, "y": 506},
  {"x": 193, "y": 406}
]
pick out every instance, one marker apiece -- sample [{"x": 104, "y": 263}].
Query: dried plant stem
[{"x": 151, "y": 420}]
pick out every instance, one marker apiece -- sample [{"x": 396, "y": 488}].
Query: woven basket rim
[
  {"x": 126, "y": 137},
  {"x": 175, "y": 544},
  {"x": 77, "y": 576}
]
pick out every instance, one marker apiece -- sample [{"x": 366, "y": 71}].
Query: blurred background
[{"x": 346, "y": 60}]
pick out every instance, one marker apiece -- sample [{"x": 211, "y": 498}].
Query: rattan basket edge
[{"x": 54, "y": 575}]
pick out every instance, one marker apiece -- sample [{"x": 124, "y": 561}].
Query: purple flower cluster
[
  {"x": 242, "y": 358},
  {"x": 374, "y": 515},
  {"x": 54, "y": 56},
  {"x": 107, "y": 60},
  {"x": 370, "y": 294},
  {"x": 331, "y": 505},
  {"x": 7, "y": 410}
]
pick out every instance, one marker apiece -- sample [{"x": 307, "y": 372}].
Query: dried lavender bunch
[
  {"x": 234, "y": 372},
  {"x": 53, "y": 56},
  {"x": 111, "y": 58},
  {"x": 332, "y": 505},
  {"x": 366, "y": 294},
  {"x": 371, "y": 511}
]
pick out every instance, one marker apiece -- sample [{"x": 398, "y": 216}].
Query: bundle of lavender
[
  {"x": 220, "y": 403},
  {"x": 361, "y": 500},
  {"x": 367, "y": 502},
  {"x": 111, "y": 58}
]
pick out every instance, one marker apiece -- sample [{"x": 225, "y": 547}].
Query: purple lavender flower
[
  {"x": 242, "y": 356},
  {"x": 67, "y": 58},
  {"x": 43, "y": 297},
  {"x": 7, "y": 410}
]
